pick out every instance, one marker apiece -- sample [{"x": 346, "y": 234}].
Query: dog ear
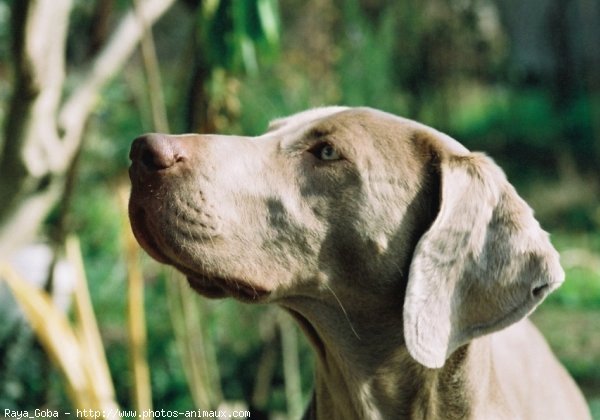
[{"x": 483, "y": 264}]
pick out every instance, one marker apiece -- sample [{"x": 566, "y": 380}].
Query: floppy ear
[{"x": 483, "y": 264}]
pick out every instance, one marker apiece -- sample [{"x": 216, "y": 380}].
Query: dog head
[{"x": 346, "y": 205}]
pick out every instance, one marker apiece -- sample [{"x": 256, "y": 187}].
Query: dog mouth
[
  {"x": 219, "y": 287},
  {"x": 141, "y": 231},
  {"x": 205, "y": 283}
]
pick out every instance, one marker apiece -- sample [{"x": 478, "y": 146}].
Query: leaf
[{"x": 267, "y": 13}]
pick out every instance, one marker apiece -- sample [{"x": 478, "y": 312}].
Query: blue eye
[{"x": 326, "y": 152}]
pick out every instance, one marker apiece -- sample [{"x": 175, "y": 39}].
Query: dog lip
[
  {"x": 137, "y": 215},
  {"x": 206, "y": 284},
  {"x": 219, "y": 287},
  {"x": 206, "y": 288}
]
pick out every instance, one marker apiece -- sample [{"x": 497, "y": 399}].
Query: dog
[{"x": 409, "y": 262}]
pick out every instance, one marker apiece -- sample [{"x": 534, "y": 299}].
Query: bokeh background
[{"x": 79, "y": 79}]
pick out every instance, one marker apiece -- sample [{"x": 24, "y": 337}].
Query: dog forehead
[
  {"x": 441, "y": 141},
  {"x": 300, "y": 120},
  {"x": 297, "y": 124}
]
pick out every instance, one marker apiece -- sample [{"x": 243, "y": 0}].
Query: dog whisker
[{"x": 343, "y": 311}]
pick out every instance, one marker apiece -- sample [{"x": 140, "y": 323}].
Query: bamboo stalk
[
  {"x": 78, "y": 351},
  {"x": 268, "y": 361},
  {"x": 54, "y": 333},
  {"x": 200, "y": 369},
  {"x": 137, "y": 328},
  {"x": 291, "y": 366},
  {"x": 136, "y": 314},
  {"x": 186, "y": 317},
  {"x": 88, "y": 332},
  {"x": 152, "y": 69}
]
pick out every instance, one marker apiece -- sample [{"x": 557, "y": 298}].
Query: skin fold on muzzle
[{"x": 409, "y": 262}]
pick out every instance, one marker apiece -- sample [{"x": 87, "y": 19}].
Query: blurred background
[{"x": 88, "y": 321}]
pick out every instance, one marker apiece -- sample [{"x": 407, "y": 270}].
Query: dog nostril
[
  {"x": 155, "y": 152},
  {"x": 151, "y": 161}
]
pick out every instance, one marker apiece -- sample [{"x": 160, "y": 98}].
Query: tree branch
[
  {"x": 40, "y": 29},
  {"x": 39, "y": 146},
  {"x": 110, "y": 59}
]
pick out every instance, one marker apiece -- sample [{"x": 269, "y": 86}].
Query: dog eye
[{"x": 326, "y": 152}]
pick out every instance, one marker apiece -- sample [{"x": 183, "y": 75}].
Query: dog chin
[
  {"x": 213, "y": 287},
  {"x": 210, "y": 291},
  {"x": 218, "y": 288}
]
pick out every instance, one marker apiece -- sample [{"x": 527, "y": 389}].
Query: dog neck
[{"x": 364, "y": 371}]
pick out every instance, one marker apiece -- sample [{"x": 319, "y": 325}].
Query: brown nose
[{"x": 155, "y": 152}]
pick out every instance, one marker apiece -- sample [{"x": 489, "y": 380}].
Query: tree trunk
[
  {"x": 30, "y": 161},
  {"x": 42, "y": 133}
]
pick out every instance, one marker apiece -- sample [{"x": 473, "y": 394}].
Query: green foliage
[
  {"x": 369, "y": 64},
  {"x": 237, "y": 30},
  {"x": 524, "y": 123},
  {"x": 118, "y": 120},
  {"x": 571, "y": 334},
  {"x": 581, "y": 260},
  {"x": 595, "y": 407},
  {"x": 581, "y": 290}
]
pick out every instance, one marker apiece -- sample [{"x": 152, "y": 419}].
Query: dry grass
[{"x": 75, "y": 347}]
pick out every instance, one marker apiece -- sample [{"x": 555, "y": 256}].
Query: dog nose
[{"x": 155, "y": 152}]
